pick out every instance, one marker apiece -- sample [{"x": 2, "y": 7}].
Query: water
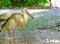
[{"x": 32, "y": 35}]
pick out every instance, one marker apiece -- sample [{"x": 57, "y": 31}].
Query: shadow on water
[{"x": 46, "y": 34}]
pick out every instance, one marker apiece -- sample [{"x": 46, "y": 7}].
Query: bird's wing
[
  {"x": 9, "y": 24},
  {"x": 4, "y": 16}
]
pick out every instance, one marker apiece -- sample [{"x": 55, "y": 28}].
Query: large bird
[{"x": 16, "y": 21}]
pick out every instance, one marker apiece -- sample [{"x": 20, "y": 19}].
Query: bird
[{"x": 16, "y": 21}]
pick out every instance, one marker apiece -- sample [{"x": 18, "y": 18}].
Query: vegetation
[{"x": 21, "y": 3}]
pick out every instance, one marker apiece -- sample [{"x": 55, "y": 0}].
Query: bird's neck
[{"x": 25, "y": 16}]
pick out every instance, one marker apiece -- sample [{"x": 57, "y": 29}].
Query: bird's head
[{"x": 26, "y": 12}]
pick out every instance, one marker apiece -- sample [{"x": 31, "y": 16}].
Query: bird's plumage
[
  {"x": 4, "y": 17},
  {"x": 15, "y": 21}
]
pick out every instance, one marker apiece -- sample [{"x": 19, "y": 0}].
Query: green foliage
[
  {"x": 21, "y": 3},
  {"x": 5, "y": 3}
]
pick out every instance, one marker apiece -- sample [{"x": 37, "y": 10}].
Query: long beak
[{"x": 29, "y": 14}]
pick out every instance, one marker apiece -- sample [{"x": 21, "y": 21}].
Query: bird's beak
[{"x": 29, "y": 14}]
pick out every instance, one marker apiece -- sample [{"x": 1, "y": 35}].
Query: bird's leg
[
  {"x": 9, "y": 37},
  {"x": 14, "y": 36}
]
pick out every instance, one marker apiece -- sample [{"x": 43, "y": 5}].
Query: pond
[{"x": 38, "y": 30}]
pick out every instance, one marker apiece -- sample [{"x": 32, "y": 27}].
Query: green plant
[{"x": 22, "y": 3}]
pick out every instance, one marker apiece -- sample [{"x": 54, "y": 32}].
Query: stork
[{"x": 16, "y": 21}]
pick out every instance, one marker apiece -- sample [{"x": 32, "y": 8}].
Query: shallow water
[{"x": 31, "y": 35}]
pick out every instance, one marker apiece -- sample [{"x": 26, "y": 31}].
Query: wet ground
[{"x": 38, "y": 30}]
